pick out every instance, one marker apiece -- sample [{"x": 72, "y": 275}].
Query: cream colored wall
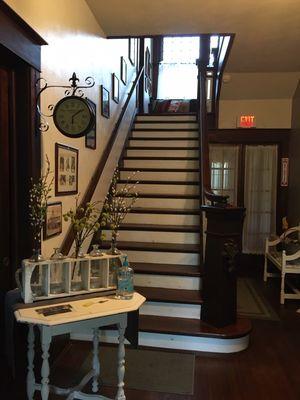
[
  {"x": 266, "y": 95},
  {"x": 76, "y": 43},
  {"x": 270, "y": 113}
]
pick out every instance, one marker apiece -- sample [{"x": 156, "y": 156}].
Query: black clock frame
[{"x": 92, "y": 116}]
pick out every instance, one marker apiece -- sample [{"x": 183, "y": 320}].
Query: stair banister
[
  {"x": 69, "y": 238},
  {"x": 224, "y": 224}
]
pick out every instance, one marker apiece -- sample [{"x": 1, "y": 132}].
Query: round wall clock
[{"x": 74, "y": 116}]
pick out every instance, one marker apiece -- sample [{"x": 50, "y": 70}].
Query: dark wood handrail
[
  {"x": 69, "y": 238},
  {"x": 207, "y": 193}
]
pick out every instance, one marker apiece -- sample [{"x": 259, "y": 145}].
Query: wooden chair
[{"x": 286, "y": 264}]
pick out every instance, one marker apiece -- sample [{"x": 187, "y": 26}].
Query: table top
[{"x": 78, "y": 310}]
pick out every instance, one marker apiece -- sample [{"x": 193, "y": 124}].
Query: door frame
[
  {"x": 243, "y": 137},
  {"x": 21, "y": 52}
]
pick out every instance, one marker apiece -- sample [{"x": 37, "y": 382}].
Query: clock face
[{"x": 73, "y": 116}]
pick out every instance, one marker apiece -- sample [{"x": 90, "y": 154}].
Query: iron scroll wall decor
[{"x": 70, "y": 90}]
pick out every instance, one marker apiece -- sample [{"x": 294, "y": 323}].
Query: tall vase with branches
[
  {"x": 118, "y": 203},
  {"x": 39, "y": 194}
]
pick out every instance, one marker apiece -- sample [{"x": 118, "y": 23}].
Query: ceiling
[{"x": 267, "y": 31}]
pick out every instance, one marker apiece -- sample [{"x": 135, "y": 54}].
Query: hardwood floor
[{"x": 268, "y": 370}]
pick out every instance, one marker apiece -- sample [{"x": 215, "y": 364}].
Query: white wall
[{"x": 76, "y": 43}]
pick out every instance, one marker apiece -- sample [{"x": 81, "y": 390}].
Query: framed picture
[
  {"x": 131, "y": 50},
  {"x": 123, "y": 71},
  {"x": 105, "y": 106},
  {"x": 53, "y": 222},
  {"x": 115, "y": 88},
  {"x": 66, "y": 170},
  {"x": 90, "y": 137}
]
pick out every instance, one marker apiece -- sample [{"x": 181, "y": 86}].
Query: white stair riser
[
  {"x": 166, "y": 118},
  {"x": 167, "y": 281},
  {"x": 166, "y": 125},
  {"x": 162, "y": 153},
  {"x": 160, "y": 257},
  {"x": 161, "y": 163},
  {"x": 163, "y": 143},
  {"x": 171, "y": 310},
  {"x": 176, "y": 342},
  {"x": 164, "y": 189},
  {"x": 156, "y": 237},
  {"x": 162, "y": 219},
  {"x": 166, "y": 134},
  {"x": 162, "y": 176},
  {"x": 166, "y": 203}
]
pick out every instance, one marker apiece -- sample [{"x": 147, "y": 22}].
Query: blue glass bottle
[{"x": 125, "y": 288}]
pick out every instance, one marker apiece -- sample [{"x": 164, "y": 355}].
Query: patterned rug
[
  {"x": 152, "y": 370},
  {"x": 251, "y": 303},
  {"x": 174, "y": 106}
]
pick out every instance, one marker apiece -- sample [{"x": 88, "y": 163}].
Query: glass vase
[
  {"x": 114, "y": 263},
  {"x": 96, "y": 252},
  {"x": 76, "y": 277},
  {"x": 57, "y": 273}
]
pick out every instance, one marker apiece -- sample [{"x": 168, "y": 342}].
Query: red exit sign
[{"x": 246, "y": 121}]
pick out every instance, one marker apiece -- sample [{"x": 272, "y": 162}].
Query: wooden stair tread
[
  {"x": 170, "y": 114},
  {"x": 193, "y": 327},
  {"x": 170, "y": 295},
  {"x": 167, "y": 129},
  {"x": 158, "y": 247},
  {"x": 162, "y": 196},
  {"x": 155, "y": 182},
  {"x": 159, "y": 158},
  {"x": 155, "y": 121},
  {"x": 159, "y": 228},
  {"x": 173, "y": 211},
  {"x": 162, "y": 138},
  {"x": 167, "y": 269},
  {"x": 161, "y": 148},
  {"x": 149, "y": 169}
]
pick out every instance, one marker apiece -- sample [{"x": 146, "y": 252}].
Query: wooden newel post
[{"x": 222, "y": 251}]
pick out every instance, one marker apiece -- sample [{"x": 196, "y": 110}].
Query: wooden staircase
[{"x": 162, "y": 234}]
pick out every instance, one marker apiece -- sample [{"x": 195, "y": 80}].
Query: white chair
[{"x": 287, "y": 264}]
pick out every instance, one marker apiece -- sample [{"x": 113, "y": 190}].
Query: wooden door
[{"x": 5, "y": 179}]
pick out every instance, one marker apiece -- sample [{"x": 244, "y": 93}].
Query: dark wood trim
[
  {"x": 12, "y": 28},
  {"x": 167, "y": 269},
  {"x": 69, "y": 238},
  {"x": 159, "y": 228},
  {"x": 248, "y": 136},
  {"x": 170, "y": 295}
]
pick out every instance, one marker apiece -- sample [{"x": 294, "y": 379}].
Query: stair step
[
  {"x": 171, "y": 142},
  {"x": 159, "y": 176},
  {"x": 156, "y": 247},
  {"x": 166, "y": 117},
  {"x": 169, "y": 188},
  {"x": 123, "y": 181},
  {"x": 162, "y": 152},
  {"x": 179, "y": 296},
  {"x": 161, "y": 125},
  {"x": 167, "y": 269},
  {"x": 163, "y": 196},
  {"x": 159, "y": 228},
  {"x": 191, "y": 134},
  {"x": 159, "y": 158},
  {"x": 161, "y": 162},
  {"x": 193, "y": 327},
  {"x": 159, "y": 169},
  {"x": 182, "y": 211}
]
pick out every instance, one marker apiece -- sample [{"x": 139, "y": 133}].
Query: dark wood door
[{"x": 5, "y": 179}]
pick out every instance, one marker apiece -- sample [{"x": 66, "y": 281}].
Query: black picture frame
[
  {"x": 53, "y": 220},
  {"x": 123, "y": 72},
  {"x": 91, "y": 136},
  {"x": 115, "y": 88},
  {"x": 66, "y": 170},
  {"x": 131, "y": 50},
  {"x": 105, "y": 102}
]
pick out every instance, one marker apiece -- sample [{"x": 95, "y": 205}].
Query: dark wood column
[{"x": 222, "y": 251}]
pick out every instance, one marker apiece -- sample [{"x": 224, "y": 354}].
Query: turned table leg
[
  {"x": 30, "y": 361},
  {"x": 45, "y": 342},
  {"x": 121, "y": 361},
  {"x": 96, "y": 363}
]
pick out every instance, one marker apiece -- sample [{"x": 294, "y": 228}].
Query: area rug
[
  {"x": 251, "y": 303},
  {"x": 149, "y": 370}
]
